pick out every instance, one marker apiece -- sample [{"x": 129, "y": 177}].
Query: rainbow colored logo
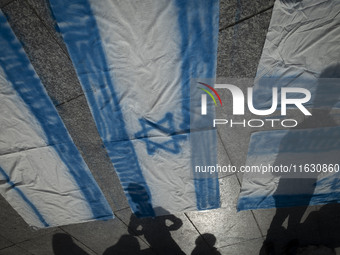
[{"x": 209, "y": 93}]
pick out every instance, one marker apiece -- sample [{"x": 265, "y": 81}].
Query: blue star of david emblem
[{"x": 166, "y": 126}]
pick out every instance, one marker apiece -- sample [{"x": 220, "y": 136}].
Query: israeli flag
[
  {"x": 298, "y": 166},
  {"x": 42, "y": 174},
  {"x": 136, "y": 61}
]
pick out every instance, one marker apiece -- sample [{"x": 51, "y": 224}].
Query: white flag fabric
[
  {"x": 135, "y": 61},
  {"x": 42, "y": 174},
  {"x": 302, "y": 43}
]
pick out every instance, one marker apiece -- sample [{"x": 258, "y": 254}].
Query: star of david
[{"x": 167, "y": 127}]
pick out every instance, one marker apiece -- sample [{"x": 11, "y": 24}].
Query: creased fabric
[
  {"x": 135, "y": 61},
  {"x": 42, "y": 174},
  {"x": 301, "y": 45},
  {"x": 302, "y": 50}
]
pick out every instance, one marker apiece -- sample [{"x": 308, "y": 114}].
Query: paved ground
[{"x": 243, "y": 27}]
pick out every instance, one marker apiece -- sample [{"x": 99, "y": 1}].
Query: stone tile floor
[{"x": 243, "y": 27}]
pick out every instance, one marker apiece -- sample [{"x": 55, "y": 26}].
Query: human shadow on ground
[
  {"x": 63, "y": 245},
  {"x": 153, "y": 231},
  {"x": 292, "y": 146},
  {"x": 318, "y": 234},
  {"x": 127, "y": 245},
  {"x": 156, "y": 231},
  {"x": 205, "y": 245}
]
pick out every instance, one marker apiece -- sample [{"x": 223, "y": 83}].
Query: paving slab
[
  {"x": 164, "y": 233},
  {"x": 57, "y": 243},
  {"x": 103, "y": 171},
  {"x": 4, "y": 2},
  {"x": 243, "y": 248},
  {"x": 14, "y": 228},
  {"x": 238, "y": 10},
  {"x": 101, "y": 235},
  {"x": 4, "y": 242},
  {"x": 222, "y": 157},
  {"x": 43, "y": 11},
  {"x": 14, "y": 250},
  {"x": 264, "y": 217},
  {"x": 78, "y": 119},
  {"x": 319, "y": 225},
  {"x": 229, "y": 191},
  {"x": 240, "y": 47},
  {"x": 226, "y": 224},
  {"x": 49, "y": 60}
]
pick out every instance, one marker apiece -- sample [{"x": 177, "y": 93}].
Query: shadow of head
[
  {"x": 206, "y": 238},
  {"x": 64, "y": 245},
  {"x": 205, "y": 245}
]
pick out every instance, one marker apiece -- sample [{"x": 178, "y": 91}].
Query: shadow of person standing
[
  {"x": 299, "y": 189},
  {"x": 63, "y": 245},
  {"x": 156, "y": 230}
]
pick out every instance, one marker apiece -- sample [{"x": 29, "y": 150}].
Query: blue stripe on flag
[
  {"x": 264, "y": 202},
  {"x": 313, "y": 140},
  {"x": 22, "y": 195},
  {"x": 83, "y": 41},
  {"x": 198, "y": 61}
]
